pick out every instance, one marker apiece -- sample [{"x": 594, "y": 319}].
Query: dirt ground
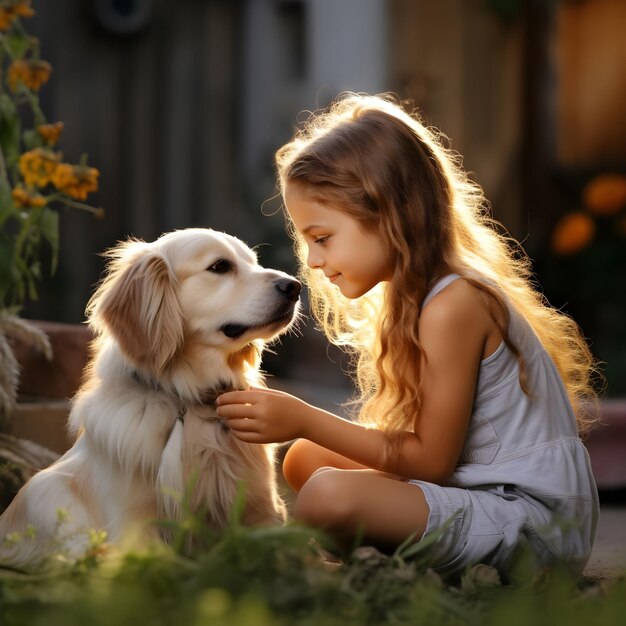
[{"x": 608, "y": 558}]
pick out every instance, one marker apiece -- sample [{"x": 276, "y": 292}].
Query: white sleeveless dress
[{"x": 524, "y": 476}]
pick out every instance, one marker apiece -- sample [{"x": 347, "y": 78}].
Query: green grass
[{"x": 275, "y": 576}]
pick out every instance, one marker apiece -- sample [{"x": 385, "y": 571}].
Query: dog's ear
[{"x": 137, "y": 303}]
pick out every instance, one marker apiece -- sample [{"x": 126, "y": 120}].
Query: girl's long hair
[{"x": 368, "y": 157}]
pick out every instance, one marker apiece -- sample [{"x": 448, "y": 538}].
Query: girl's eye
[
  {"x": 321, "y": 240},
  {"x": 221, "y": 266}
]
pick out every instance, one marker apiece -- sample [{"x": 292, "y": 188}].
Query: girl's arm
[{"x": 456, "y": 331}]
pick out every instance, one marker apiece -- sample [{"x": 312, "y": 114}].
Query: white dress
[{"x": 524, "y": 475}]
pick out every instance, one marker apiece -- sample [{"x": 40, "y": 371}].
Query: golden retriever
[{"x": 177, "y": 322}]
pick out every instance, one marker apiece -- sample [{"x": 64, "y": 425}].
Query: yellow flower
[
  {"x": 37, "y": 166},
  {"x": 573, "y": 232},
  {"x": 27, "y": 198},
  {"x": 12, "y": 9},
  {"x": 605, "y": 194},
  {"x": 28, "y": 72},
  {"x": 75, "y": 180},
  {"x": 50, "y": 133}
]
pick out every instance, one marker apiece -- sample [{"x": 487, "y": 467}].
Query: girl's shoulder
[
  {"x": 456, "y": 304},
  {"x": 452, "y": 294}
]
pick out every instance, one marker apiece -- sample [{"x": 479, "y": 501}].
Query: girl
[{"x": 471, "y": 385}]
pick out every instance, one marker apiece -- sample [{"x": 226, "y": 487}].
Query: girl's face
[{"x": 351, "y": 256}]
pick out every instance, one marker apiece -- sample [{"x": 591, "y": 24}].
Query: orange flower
[
  {"x": 573, "y": 232},
  {"x": 30, "y": 73},
  {"x": 23, "y": 8},
  {"x": 6, "y": 19},
  {"x": 37, "y": 166},
  {"x": 50, "y": 133},
  {"x": 605, "y": 194},
  {"x": 27, "y": 198},
  {"x": 12, "y": 9},
  {"x": 75, "y": 180}
]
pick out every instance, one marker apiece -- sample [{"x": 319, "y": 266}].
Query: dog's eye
[{"x": 221, "y": 266}]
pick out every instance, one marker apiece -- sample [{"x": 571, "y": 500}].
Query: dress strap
[{"x": 440, "y": 285}]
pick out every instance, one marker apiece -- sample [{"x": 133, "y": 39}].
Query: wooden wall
[
  {"x": 462, "y": 65},
  {"x": 156, "y": 110},
  {"x": 590, "y": 59}
]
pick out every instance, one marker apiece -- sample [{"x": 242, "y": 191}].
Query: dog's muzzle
[{"x": 289, "y": 290}]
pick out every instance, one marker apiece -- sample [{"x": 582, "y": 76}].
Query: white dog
[{"x": 177, "y": 322}]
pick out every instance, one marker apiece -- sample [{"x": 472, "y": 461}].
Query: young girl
[{"x": 472, "y": 387}]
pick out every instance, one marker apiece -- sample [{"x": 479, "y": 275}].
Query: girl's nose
[{"x": 314, "y": 259}]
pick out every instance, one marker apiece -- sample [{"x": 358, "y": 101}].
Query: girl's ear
[{"x": 138, "y": 305}]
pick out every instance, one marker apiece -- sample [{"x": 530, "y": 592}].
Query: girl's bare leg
[
  {"x": 381, "y": 509},
  {"x": 305, "y": 457}
]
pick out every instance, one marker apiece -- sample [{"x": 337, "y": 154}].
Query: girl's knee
[
  {"x": 323, "y": 501},
  {"x": 300, "y": 462}
]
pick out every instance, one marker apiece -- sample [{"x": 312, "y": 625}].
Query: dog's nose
[{"x": 289, "y": 287}]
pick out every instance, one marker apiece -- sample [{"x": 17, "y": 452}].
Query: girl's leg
[
  {"x": 305, "y": 457},
  {"x": 350, "y": 503}
]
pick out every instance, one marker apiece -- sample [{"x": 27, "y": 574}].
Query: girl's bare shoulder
[{"x": 459, "y": 305}]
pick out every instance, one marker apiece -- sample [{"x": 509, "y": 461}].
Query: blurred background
[{"x": 181, "y": 106}]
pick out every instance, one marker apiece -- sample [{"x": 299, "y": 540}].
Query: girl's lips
[{"x": 334, "y": 277}]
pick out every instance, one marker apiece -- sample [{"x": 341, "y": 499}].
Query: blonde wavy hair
[{"x": 367, "y": 156}]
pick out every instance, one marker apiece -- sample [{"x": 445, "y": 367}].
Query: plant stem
[
  {"x": 4, "y": 176},
  {"x": 1, "y": 70},
  {"x": 40, "y": 118},
  {"x": 75, "y": 204}
]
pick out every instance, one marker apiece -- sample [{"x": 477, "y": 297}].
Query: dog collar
[{"x": 207, "y": 397}]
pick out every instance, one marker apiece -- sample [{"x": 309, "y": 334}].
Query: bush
[{"x": 282, "y": 575}]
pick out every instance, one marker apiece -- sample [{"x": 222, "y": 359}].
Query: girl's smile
[{"x": 338, "y": 244}]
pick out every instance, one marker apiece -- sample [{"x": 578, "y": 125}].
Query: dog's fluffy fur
[{"x": 177, "y": 321}]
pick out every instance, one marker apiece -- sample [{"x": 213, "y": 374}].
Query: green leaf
[
  {"x": 27, "y": 283},
  {"x": 9, "y": 130},
  {"x": 410, "y": 548},
  {"x": 32, "y": 139},
  {"x": 239, "y": 505},
  {"x": 17, "y": 44},
  {"x": 7, "y": 107},
  {"x": 6, "y": 202},
  {"x": 35, "y": 270},
  {"x": 50, "y": 232},
  {"x": 32, "y": 287},
  {"x": 6, "y": 268}
]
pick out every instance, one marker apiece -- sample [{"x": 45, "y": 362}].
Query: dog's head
[{"x": 190, "y": 286}]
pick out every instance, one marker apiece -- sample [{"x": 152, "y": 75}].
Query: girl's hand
[{"x": 263, "y": 415}]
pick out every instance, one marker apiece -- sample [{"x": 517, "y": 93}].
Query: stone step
[
  {"x": 607, "y": 446},
  {"x": 43, "y": 421}
]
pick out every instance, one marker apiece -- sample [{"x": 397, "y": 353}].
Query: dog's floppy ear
[{"x": 137, "y": 303}]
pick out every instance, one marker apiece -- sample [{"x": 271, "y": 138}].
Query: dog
[{"x": 176, "y": 322}]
